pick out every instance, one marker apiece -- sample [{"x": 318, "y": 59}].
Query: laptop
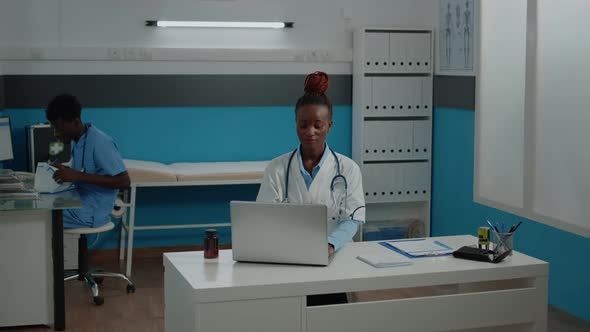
[{"x": 279, "y": 233}]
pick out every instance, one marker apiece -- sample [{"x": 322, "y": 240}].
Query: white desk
[
  {"x": 223, "y": 295},
  {"x": 31, "y": 256}
]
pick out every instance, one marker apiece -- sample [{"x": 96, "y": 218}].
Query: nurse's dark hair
[
  {"x": 315, "y": 86},
  {"x": 65, "y": 107}
]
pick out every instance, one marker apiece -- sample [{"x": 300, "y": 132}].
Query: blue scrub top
[
  {"x": 306, "y": 176},
  {"x": 96, "y": 153}
]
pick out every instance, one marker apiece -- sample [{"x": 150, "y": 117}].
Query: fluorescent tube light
[{"x": 219, "y": 24}]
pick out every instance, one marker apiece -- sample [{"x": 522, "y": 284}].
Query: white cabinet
[
  {"x": 392, "y": 120},
  {"x": 26, "y": 271}
]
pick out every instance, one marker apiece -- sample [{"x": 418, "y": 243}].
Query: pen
[
  {"x": 501, "y": 241},
  {"x": 492, "y": 226},
  {"x": 434, "y": 253},
  {"x": 513, "y": 229}
]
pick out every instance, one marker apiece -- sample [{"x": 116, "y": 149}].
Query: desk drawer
[
  {"x": 432, "y": 313},
  {"x": 260, "y": 315}
]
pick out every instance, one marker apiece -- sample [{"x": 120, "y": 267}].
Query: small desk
[
  {"x": 224, "y": 295},
  {"x": 24, "y": 229}
]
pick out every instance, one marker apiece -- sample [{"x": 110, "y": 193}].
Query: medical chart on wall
[{"x": 455, "y": 33}]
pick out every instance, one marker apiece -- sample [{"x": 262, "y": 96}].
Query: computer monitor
[
  {"x": 5, "y": 139},
  {"x": 43, "y": 146}
]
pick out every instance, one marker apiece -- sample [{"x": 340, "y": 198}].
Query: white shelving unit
[{"x": 392, "y": 122}]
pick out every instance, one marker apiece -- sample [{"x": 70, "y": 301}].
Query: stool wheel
[
  {"x": 130, "y": 288},
  {"x": 98, "y": 300}
]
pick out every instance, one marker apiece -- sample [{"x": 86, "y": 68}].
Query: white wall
[
  {"x": 87, "y": 27},
  {"x": 318, "y": 23}
]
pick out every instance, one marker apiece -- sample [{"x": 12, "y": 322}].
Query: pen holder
[{"x": 504, "y": 243}]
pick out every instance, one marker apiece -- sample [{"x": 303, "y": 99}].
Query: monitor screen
[
  {"x": 43, "y": 146},
  {"x": 5, "y": 139}
]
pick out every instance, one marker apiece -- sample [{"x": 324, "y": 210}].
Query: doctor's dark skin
[
  {"x": 67, "y": 131},
  {"x": 313, "y": 125}
]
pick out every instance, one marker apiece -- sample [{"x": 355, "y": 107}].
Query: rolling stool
[{"x": 92, "y": 276}]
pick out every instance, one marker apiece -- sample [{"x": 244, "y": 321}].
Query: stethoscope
[
  {"x": 83, "y": 148},
  {"x": 338, "y": 185}
]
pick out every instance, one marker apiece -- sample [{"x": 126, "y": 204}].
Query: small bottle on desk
[
  {"x": 483, "y": 236},
  {"x": 211, "y": 244}
]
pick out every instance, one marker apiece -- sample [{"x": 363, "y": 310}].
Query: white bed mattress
[{"x": 148, "y": 171}]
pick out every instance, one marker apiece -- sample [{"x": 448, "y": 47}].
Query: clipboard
[{"x": 431, "y": 247}]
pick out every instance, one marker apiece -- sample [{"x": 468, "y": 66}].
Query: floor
[{"x": 144, "y": 310}]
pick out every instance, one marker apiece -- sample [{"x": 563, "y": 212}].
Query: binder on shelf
[
  {"x": 368, "y": 95},
  {"x": 377, "y": 52},
  {"x": 396, "y": 86},
  {"x": 421, "y": 139},
  {"x": 405, "y": 132},
  {"x": 397, "y": 52},
  {"x": 426, "y": 102},
  {"x": 380, "y": 92},
  {"x": 412, "y": 50},
  {"x": 423, "y": 46}
]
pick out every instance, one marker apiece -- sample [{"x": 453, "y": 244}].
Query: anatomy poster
[{"x": 455, "y": 33}]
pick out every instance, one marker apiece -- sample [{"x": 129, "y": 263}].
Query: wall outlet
[
  {"x": 36, "y": 53},
  {"x": 346, "y": 12},
  {"x": 317, "y": 56},
  {"x": 145, "y": 54},
  {"x": 131, "y": 53},
  {"x": 115, "y": 54}
]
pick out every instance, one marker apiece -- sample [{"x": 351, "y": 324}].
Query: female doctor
[{"x": 314, "y": 173}]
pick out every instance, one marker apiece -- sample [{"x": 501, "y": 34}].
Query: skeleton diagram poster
[{"x": 455, "y": 35}]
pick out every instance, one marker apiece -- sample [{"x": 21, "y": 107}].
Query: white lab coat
[{"x": 272, "y": 188}]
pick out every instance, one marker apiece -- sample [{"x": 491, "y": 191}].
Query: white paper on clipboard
[{"x": 44, "y": 182}]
